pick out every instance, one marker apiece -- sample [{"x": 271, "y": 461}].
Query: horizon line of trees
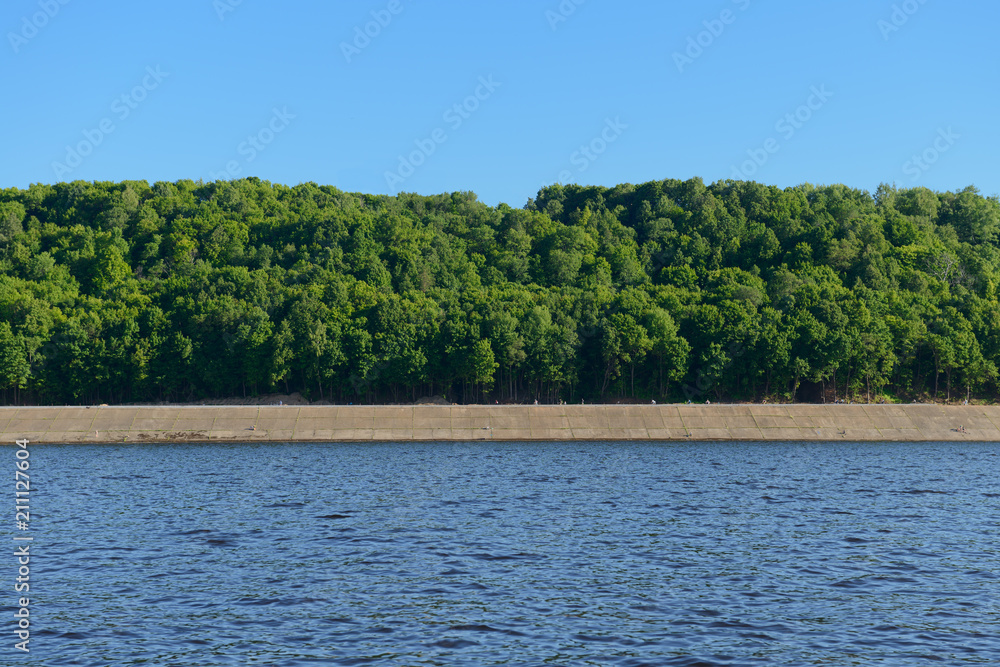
[{"x": 668, "y": 290}]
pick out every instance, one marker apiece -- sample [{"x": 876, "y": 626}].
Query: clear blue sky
[{"x": 606, "y": 76}]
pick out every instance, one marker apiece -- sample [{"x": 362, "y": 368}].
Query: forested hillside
[{"x": 670, "y": 290}]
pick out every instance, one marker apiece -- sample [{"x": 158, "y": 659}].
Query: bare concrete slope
[{"x": 522, "y": 422}]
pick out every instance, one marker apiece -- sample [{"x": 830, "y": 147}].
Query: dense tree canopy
[{"x": 120, "y": 292}]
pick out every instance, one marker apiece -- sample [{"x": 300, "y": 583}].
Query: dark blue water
[{"x": 515, "y": 554}]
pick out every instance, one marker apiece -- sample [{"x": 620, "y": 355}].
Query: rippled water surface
[{"x": 516, "y": 554}]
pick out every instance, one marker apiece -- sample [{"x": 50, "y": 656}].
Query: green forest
[{"x": 669, "y": 291}]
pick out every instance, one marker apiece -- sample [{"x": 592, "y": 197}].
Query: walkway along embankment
[{"x": 514, "y": 422}]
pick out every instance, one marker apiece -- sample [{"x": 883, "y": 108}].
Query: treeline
[{"x": 670, "y": 290}]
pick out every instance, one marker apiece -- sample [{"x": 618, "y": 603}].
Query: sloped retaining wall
[{"x": 520, "y": 422}]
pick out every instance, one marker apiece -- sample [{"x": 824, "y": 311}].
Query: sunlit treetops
[{"x": 668, "y": 290}]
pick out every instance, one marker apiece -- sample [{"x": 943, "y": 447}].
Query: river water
[{"x": 562, "y": 553}]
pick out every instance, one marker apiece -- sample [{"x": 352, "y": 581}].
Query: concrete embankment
[{"x": 518, "y": 422}]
